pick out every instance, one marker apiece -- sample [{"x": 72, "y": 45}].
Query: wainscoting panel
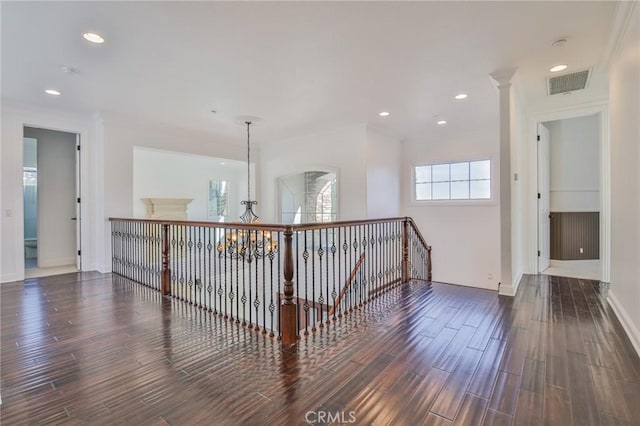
[{"x": 575, "y": 235}]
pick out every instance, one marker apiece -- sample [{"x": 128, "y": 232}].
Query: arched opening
[{"x": 308, "y": 197}]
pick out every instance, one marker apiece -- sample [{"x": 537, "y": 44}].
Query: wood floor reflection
[{"x": 91, "y": 349}]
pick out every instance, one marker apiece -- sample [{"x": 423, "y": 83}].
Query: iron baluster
[
  {"x": 305, "y": 257},
  {"x": 321, "y": 297},
  {"x": 279, "y": 297},
  {"x": 334, "y": 249},
  {"x": 326, "y": 263},
  {"x": 313, "y": 280}
]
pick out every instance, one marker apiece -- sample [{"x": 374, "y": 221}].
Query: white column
[{"x": 503, "y": 81}]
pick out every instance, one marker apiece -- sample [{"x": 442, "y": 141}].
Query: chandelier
[
  {"x": 247, "y": 244},
  {"x": 244, "y": 243}
]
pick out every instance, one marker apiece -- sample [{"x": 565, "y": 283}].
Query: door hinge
[
  {"x": 79, "y": 199},
  {"x": 538, "y": 253},
  {"x": 78, "y": 147},
  {"x": 539, "y": 196},
  {"x": 78, "y": 252},
  {"x": 538, "y": 140}
]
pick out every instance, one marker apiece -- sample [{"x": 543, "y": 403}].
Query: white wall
[
  {"x": 624, "y": 82},
  {"x": 520, "y": 188},
  {"x": 291, "y": 190},
  {"x": 168, "y": 174},
  {"x": 384, "y": 157},
  {"x": 120, "y": 136},
  {"x": 465, "y": 236},
  {"x": 56, "y": 161},
  {"x": 575, "y": 164},
  {"x": 340, "y": 150}
]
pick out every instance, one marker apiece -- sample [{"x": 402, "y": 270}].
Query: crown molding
[
  {"x": 623, "y": 14},
  {"x": 503, "y": 76}
]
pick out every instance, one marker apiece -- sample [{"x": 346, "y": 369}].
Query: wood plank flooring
[{"x": 95, "y": 349}]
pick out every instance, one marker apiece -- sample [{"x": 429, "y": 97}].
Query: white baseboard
[
  {"x": 511, "y": 290},
  {"x": 104, "y": 269},
  {"x": 9, "y": 278},
  {"x": 627, "y": 324}
]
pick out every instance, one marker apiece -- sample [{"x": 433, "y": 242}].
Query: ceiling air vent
[{"x": 568, "y": 82}]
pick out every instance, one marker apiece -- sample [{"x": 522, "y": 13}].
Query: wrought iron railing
[{"x": 280, "y": 280}]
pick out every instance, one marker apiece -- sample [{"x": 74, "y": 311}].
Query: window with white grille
[{"x": 465, "y": 180}]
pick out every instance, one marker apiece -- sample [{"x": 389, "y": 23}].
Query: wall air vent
[{"x": 568, "y": 82}]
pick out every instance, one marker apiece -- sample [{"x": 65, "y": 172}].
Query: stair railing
[{"x": 280, "y": 280}]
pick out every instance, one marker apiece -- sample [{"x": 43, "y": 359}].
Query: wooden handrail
[
  {"x": 347, "y": 284},
  {"x": 208, "y": 224},
  {"x": 418, "y": 233},
  {"x": 157, "y": 233},
  {"x": 424, "y": 244},
  {"x": 263, "y": 226}
]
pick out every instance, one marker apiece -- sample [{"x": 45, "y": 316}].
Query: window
[{"x": 467, "y": 180}]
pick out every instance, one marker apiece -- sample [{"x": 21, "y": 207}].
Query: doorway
[
  {"x": 570, "y": 197},
  {"x": 51, "y": 187},
  {"x": 308, "y": 197}
]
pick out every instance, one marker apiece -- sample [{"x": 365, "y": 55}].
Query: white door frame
[
  {"x": 78, "y": 209},
  {"x": 41, "y": 219},
  {"x": 544, "y": 204},
  {"x": 602, "y": 110},
  {"x": 63, "y": 123}
]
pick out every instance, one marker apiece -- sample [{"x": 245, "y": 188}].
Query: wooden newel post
[
  {"x": 288, "y": 310},
  {"x": 165, "y": 278},
  {"x": 405, "y": 251},
  {"x": 429, "y": 263}
]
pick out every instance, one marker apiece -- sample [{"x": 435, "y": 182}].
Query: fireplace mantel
[{"x": 166, "y": 208}]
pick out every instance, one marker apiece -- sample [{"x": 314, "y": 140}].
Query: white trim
[
  {"x": 572, "y": 210},
  {"x": 104, "y": 269},
  {"x": 511, "y": 290},
  {"x": 592, "y": 108},
  {"x": 632, "y": 331},
  {"x": 457, "y": 202},
  {"x": 83, "y": 125},
  {"x": 9, "y": 278},
  {"x": 574, "y": 190},
  {"x": 623, "y": 13}
]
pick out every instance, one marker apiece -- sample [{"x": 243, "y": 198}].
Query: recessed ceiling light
[
  {"x": 69, "y": 70},
  {"x": 53, "y": 92},
  {"x": 559, "y": 42},
  {"x": 441, "y": 122},
  {"x": 222, "y": 164},
  {"x": 383, "y": 114},
  {"x": 93, "y": 38},
  {"x": 558, "y": 68},
  {"x": 461, "y": 96}
]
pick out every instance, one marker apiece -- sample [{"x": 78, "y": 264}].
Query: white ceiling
[{"x": 301, "y": 66}]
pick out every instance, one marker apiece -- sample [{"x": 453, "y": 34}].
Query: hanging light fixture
[
  {"x": 249, "y": 215},
  {"x": 243, "y": 243}
]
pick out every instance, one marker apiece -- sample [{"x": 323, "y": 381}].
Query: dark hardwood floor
[{"x": 92, "y": 349}]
